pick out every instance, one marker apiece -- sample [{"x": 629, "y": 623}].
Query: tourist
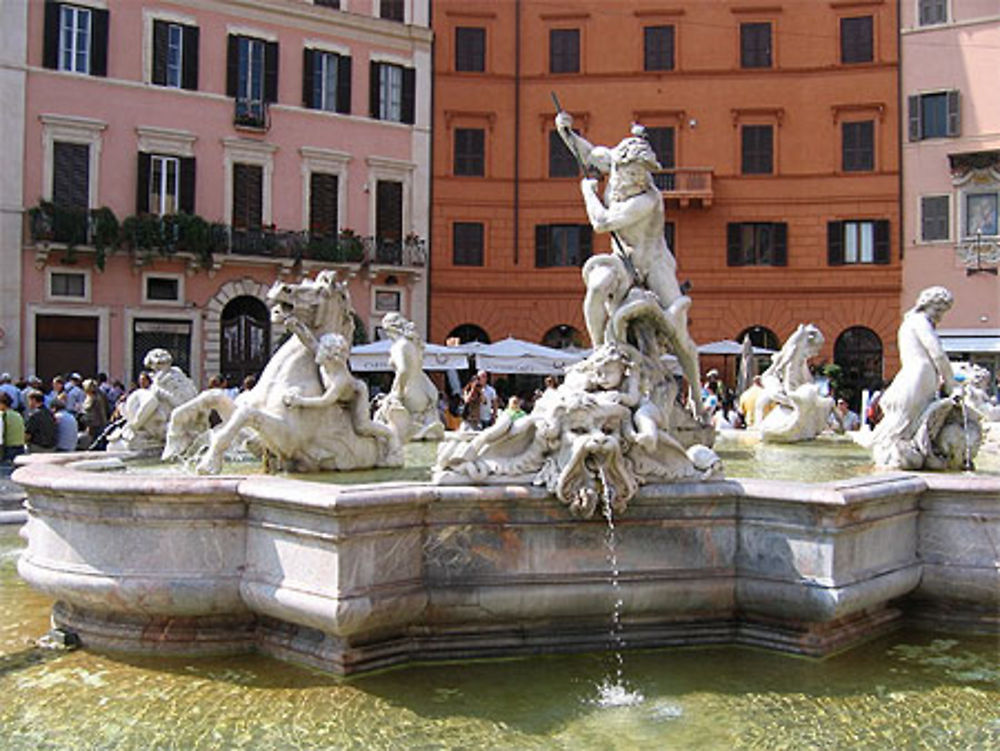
[
  {"x": 12, "y": 391},
  {"x": 514, "y": 410},
  {"x": 32, "y": 383},
  {"x": 472, "y": 397},
  {"x": 748, "y": 401},
  {"x": 95, "y": 411},
  {"x": 489, "y": 402},
  {"x": 843, "y": 418},
  {"x": 12, "y": 430},
  {"x": 40, "y": 425},
  {"x": 74, "y": 395},
  {"x": 56, "y": 392},
  {"x": 144, "y": 381},
  {"x": 67, "y": 428}
]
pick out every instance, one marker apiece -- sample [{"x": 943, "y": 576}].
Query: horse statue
[
  {"x": 305, "y": 412},
  {"x": 791, "y": 408}
]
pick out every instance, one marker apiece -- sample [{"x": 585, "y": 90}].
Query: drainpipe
[
  {"x": 517, "y": 131},
  {"x": 430, "y": 176}
]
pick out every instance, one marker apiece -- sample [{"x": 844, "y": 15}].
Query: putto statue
[
  {"x": 306, "y": 412},
  {"x": 411, "y": 404},
  {"x": 791, "y": 407},
  {"x": 926, "y": 423},
  {"x": 616, "y": 421},
  {"x": 146, "y": 411}
]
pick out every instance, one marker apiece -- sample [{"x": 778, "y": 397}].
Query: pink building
[
  {"x": 951, "y": 166},
  {"x": 234, "y": 144}
]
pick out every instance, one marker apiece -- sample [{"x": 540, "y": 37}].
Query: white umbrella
[
  {"x": 517, "y": 356},
  {"x": 729, "y": 347},
  {"x": 374, "y": 357}
]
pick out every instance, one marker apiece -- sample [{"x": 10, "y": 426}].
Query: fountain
[{"x": 502, "y": 554}]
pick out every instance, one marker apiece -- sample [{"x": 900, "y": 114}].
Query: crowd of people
[{"x": 72, "y": 413}]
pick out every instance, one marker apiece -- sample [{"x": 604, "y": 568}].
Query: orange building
[{"x": 776, "y": 124}]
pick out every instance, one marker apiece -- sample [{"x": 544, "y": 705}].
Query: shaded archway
[
  {"x": 245, "y": 338},
  {"x": 760, "y": 336},
  {"x": 858, "y": 352},
  {"x": 469, "y": 332},
  {"x": 563, "y": 336}
]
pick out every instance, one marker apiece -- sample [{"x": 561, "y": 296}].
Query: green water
[{"x": 911, "y": 690}]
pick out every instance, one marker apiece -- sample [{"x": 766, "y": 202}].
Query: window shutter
[
  {"x": 409, "y": 95},
  {"x": 780, "y": 238},
  {"x": 323, "y": 203},
  {"x": 344, "y": 84},
  {"x": 913, "y": 107},
  {"x": 954, "y": 114},
  {"x": 882, "y": 242},
  {"x": 389, "y": 210},
  {"x": 159, "y": 76},
  {"x": 308, "y": 71},
  {"x": 71, "y": 175},
  {"x": 142, "y": 184},
  {"x": 270, "y": 72},
  {"x": 187, "y": 185},
  {"x": 835, "y": 243},
  {"x": 734, "y": 245},
  {"x": 541, "y": 245},
  {"x": 373, "y": 89},
  {"x": 50, "y": 42},
  {"x": 586, "y": 242},
  {"x": 99, "y": 43},
  {"x": 232, "y": 65},
  {"x": 189, "y": 74}
]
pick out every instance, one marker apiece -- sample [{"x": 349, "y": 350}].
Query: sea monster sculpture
[
  {"x": 791, "y": 407},
  {"x": 616, "y": 421},
  {"x": 306, "y": 412},
  {"x": 926, "y": 423},
  {"x": 411, "y": 404}
]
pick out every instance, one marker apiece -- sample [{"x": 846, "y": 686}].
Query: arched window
[
  {"x": 858, "y": 352},
  {"x": 563, "y": 336},
  {"x": 760, "y": 336},
  {"x": 246, "y": 338},
  {"x": 469, "y": 332}
]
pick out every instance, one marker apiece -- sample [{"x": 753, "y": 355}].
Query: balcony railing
[
  {"x": 346, "y": 247},
  {"x": 686, "y": 184},
  {"x": 252, "y": 113}
]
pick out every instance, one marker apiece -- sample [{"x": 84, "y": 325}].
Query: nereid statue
[
  {"x": 306, "y": 411},
  {"x": 146, "y": 412},
  {"x": 616, "y": 421},
  {"x": 411, "y": 404},
  {"x": 791, "y": 407},
  {"x": 926, "y": 421}
]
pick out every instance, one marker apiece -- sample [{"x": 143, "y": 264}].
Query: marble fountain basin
[{"x": 351, "y": 578}]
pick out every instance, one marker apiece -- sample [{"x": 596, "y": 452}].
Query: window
[
  {"x": 662, "y": 141},
  {"x": 251, "y": 77},
  {"x": 326, "y": 81},
  {"x": 162, "y": 289},
  {"x": 858, "y": 146},
  {"x": 858, "y": 241},
  {"x": 981, "y": 214},
  {"x": 564, "y": 50},
  {"x": 392, "y": 94},
  {"x": 658, "y": 45},
  {"x": 932, "y": 12},
  {"x": 388, "y": 301},
  {"x": 324, "y": 203},
  {"x": 467, "y": 244},
  {"x": 76, "y": 39},
  {"x": 66, "y": 284},
  {"x": 669, "y": 234},
  {"x": 934, "y": 211},
  {"x": 175, "y": 55},
  {"x": 469, "y": 157},
  {"x": 935, "y": 115},
  {"x": 391, "y": 10},
  {"x": 165, "y": 184},
  {"x": 757, "y": 244},
  {"x": 171, "y": 335},
  {"x": 71, "y": 175},
  {"x": 755, "y": 45},
  {"x": 757, "y": 149},
  {"x": 562, "y": 163},
  {"x": 856, "y": 40},
  {"x": 335, "y": 4},
  {"x": 562, "y": 244},
  {"x": 470, "y": 49},
  {"x": 389, "y": 222},
  {"x": 248, "y": 196}
]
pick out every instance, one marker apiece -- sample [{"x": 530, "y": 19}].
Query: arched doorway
[
  {"x": 563, "y": 336},
  {"x": 760, "y": 336},
  {"x": 246, "y": 337},
  {"x": 858, "y": 352},
  {"x": 469, "y": 332}
]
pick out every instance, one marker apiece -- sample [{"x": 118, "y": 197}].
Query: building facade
[
  {"x": 951, "y": 166},
  {"x": 776, "y": 125},
  {"x": 181, "y": 156}
]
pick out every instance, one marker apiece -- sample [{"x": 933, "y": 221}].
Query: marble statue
[
  {"x": 411, "y": 404},
  {"x": 926, "y": 422},
  {"x": 146, "y": 412},
  {"x": 306, "y": 412},
  {"x": 616, "y": 421},
  {"x": 791, "y": 407}
]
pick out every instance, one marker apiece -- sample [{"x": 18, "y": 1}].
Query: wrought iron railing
[
  {"x": 252, "y": 113},
  {"x": 685, "y": 183}
]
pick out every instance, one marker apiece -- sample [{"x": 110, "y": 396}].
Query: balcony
[
  {"x": 685, "y": 185},
  {"x": 346, "y": 247},
  {"x": 252, "y": 114}
]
